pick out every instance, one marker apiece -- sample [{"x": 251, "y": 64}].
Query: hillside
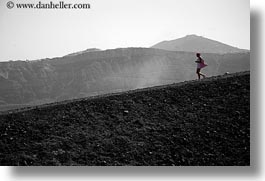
[
  {"x": 194, "y": 43},
  {"x": 92, "y": 72},
  {"x": 191, "y": 123},
  {"x": 82, "y": 52}
]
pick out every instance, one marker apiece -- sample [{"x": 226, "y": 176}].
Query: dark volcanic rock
[{"x": 192, "y": 123}]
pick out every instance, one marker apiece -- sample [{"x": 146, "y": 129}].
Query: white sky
[{"x": 35, "y": 33}]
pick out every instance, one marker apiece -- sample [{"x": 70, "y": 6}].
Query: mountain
[
  {"x": 85, "y": 51},
  {"x": 191, "y": 123},
  {"x": 194, "y": 43},
  {"x": 27, "y": 83}
]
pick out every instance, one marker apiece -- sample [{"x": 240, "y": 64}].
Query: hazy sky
[{"x": 40, "y": 33}]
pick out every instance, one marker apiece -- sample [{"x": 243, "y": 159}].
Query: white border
[{"x": 255, "y": 172}]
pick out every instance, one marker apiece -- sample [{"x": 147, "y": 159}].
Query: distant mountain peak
[
  {"x": 192, "y": 36},
  {"x": 195, "y": 43}
]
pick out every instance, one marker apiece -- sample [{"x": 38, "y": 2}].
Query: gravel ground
[{"x": 192, "y": 123}]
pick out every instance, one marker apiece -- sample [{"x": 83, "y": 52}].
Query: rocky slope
[
  {"x": 98, "y": 72},
  {"x": 192, "y": 123}
]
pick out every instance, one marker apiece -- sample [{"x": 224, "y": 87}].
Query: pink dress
[{"x": 201, "y": 64}]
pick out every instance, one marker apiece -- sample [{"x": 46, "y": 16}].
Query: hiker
[{"x": 200, "y": 65}]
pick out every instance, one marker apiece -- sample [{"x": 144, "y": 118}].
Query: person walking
[{"x": 200, "y": 65}]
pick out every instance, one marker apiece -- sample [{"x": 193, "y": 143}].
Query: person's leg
[
  {"x": 198, "y": 73},
  {"x": 203, "y": 75}
]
